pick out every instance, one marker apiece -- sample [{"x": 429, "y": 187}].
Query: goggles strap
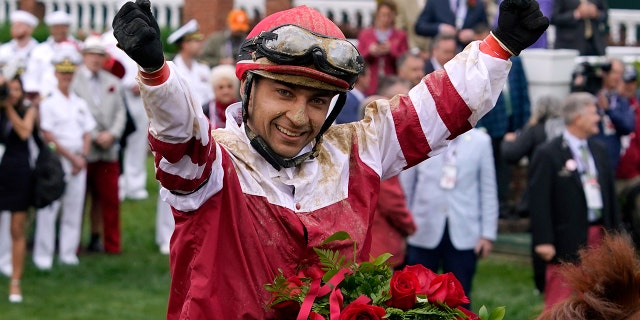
[
  {"x": 273, "y": 158},
  {"x": 342, "y": 98},
  {"x": 248, "y": 84}
]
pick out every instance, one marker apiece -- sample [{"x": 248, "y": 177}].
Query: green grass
[{"x": 135, "y": 284}]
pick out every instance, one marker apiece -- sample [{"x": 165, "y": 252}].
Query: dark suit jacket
[
  {"x": 557, "y": 202},
  {"x": 570, "y": 32},
  {"x": 439, "y": 11},
  {"x": 428, "y": 67},
  {"x": 497, "y": 122}
]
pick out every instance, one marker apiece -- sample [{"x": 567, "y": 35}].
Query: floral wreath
[{"x": 343, "y": 290}]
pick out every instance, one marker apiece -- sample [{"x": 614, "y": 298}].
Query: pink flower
[{"x": 571, "y": 165}]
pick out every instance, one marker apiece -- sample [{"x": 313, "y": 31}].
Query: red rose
[
  {"x": 425, "y": 276},
  {"x": 315, "y": 316},
  {"x": 289, "y": 309},
  {"x": 286, "y": 309},
  {"x": 471, "y": 3},
  {"x": 403, "y": 286},
  {"x": 361, "y": 311},
  {"x": 446, "y": 289},
  {"x": 313, "y": 272},
  {"x": 294, "y": 283}
]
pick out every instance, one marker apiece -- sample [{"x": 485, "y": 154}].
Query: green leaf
[
  {"x": 498, "y": 313},
  {"x": 338, "y": 236},
  {"x": 483, "y": 313},
  {"x": 382, "y": 258}
]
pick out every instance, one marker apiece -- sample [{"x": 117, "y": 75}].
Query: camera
[{"x": 587, "y": 78}]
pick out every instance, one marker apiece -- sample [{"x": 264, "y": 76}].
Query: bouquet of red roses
[{"x": 344, "y": 290}]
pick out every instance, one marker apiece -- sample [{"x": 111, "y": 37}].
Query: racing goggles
[{"x": 294, "y": 45}]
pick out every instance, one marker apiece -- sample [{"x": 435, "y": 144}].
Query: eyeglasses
[{"x": 294, "y": 45}]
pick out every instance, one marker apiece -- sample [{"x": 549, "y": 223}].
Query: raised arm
[
  {"x": 179, "y": 132},
  {"x": 450, "y": 101}
]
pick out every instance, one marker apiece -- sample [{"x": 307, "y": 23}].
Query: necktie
[
  {"x": 588, "y": 28},
  {"x": 589, "y": 174},
  {"x": 584, "y": 157}
]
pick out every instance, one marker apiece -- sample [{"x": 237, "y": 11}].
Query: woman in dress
[
  {"x": 382, "y": 44},
  {"x": 17, "y": 122}
]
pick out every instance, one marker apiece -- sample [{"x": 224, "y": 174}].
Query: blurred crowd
[{"x": 80, "y": 98}]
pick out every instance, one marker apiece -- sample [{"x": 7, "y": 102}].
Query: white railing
[
  {"x": 98, "y": 14},
  {"x": 630, "y": 20}
]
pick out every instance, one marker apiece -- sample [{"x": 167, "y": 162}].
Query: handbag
[{"x": 48, "y": 174}]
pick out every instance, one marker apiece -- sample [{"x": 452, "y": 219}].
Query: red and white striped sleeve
[
  {"x": 444, "y": 105},
  {"x": 180, "y": 136}
]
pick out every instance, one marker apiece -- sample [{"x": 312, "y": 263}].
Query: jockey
[{"x": 257, "y": 196}]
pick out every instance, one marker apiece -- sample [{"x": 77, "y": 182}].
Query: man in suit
[
  {"x": 411, "y": 66},
  {"x": 572, "y": 196},
  {"x": 443, "y": 49},
  {"x": 580, "y": 25},
  {"x": 103, "y": 94},
  {"x": 455, "y": 206},
  {"x": 457, "y": 17}
]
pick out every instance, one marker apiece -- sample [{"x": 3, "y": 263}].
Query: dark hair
[
  {"x": 20, "y": 106},
  {"x": 415, "y": 52},
  {"x": 387, "y": 3},
  {"x": 440, "y": 37},
  {"x": 388, "y": 82},
  {"x": 606, "y": 283}
]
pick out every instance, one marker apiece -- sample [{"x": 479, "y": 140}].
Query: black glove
[
  {"x": 520, "y": 24},
  {"x": 138, "y": 34}
]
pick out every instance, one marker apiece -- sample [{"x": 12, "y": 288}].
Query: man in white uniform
[
  {"x": 39, "y": 76},
  {"x": 189, "y": 42},
  {"x": 66, "y": 123}
]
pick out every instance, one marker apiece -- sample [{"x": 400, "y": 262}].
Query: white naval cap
[
  {"x": 24, "y": 17},
  {"x": 94, "y": 44},
  {"x": 57, "y": 17},
  {"x": 189, "y": 31},
  {"x": 66, "y": 57}
]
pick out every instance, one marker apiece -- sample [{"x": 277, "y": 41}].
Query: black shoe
[{"x": 95, "y": 245}]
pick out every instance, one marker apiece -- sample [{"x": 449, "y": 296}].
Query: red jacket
[
  {"x": 392, "y": 222},
  {"x": 239, "y": 221}
]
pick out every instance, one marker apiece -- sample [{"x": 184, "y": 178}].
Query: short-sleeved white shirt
[{"x": 67, "y": 118}]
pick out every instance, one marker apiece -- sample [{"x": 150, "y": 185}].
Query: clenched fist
[
  {"x": 138, "y": 34},
  {"x": 520, "y": 24}
]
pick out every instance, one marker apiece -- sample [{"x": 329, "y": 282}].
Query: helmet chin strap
[{"x": 260, "y": 145}]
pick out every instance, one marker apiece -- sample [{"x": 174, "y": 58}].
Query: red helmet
[{"x": 300, "y": 46}]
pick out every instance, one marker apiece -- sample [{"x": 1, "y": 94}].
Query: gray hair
[
  {"x": 575, "y": 104},
  {"x": 224, "y": 71},
  {"x": 546, "y": 107}
]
